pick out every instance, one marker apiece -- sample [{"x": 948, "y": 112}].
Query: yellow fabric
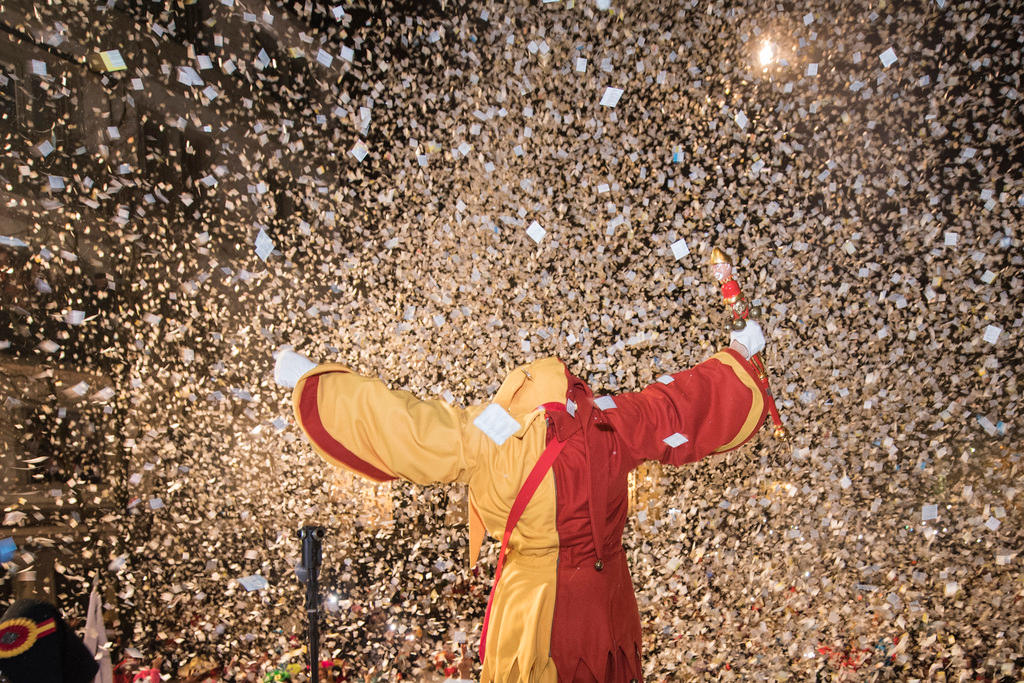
[
  {"x": 753, "y": 420},
  {"x": 431, "y": 441},
  {"x": 476, "y": 533},
  {"x": 422, "y": 441},
  {"x": 519, "y": 635}
]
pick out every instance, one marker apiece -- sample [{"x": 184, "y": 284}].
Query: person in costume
[{"x": 547, "y": 462}]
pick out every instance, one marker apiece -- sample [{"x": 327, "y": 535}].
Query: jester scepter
[{"x": 721, "y": 269}]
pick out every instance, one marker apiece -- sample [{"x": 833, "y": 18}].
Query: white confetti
[
  {"x": 611, "y": 97},
  {"x": 496, "y": 423},
  {"x": 680, "y": 249},
  {"x": 359, "y": 150},
  {"x": 992, "y": 333},
  {"x": 675, "y": 440},
  {"x": 264, "y": 245},
  {"x": 254, "y": 582},
  {"x": 929, "y": 512},
  {"x": 536, "y": 232}
]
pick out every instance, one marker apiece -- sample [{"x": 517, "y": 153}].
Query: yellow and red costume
[{"x": 564, "y": 608}]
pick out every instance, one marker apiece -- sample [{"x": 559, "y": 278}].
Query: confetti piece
[
  {"x": 741, "y": 119},
  {"x": 79, "y": 389},
  {"x": 992, "y": 333},
  {"x": 110, "y": 61},
  {"x": 189, "y": 76},
  {"x": 12, "y": 241},
  {"x": 496, "y": 423},
  {"x": 680, "y": 249},
  {"x": 254, "y": 582},
  {"x": 536, "y": 232},
  {"x": 48, "y": 346},
  {"x": 264, "y": 245},
  {"x": 888, "y": 57},
  {"x": 359, "y": 151},
  {"x": 581, "y": 65},
  {"x": 929, "y": 512},
  {"x": 611, "y": 97},
  {"x": 104, "y": 394},
  {"x": 604, "y": 402},
  {"x": 675, "y": 440}
]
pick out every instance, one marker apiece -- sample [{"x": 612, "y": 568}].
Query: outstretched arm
[
  {"x": 711, "y": 408},
  {"x": 357, "y": 423}
]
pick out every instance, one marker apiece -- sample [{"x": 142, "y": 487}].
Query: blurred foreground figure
[
  {"x": 37, "y": 646},
  {"x": 562, "y": 607}
]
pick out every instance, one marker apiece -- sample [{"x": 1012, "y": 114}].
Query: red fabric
[
  {"x": 596, "y": 634},
  {"x": 327, "y": 443},
  {"x": 706, "y": 404}
]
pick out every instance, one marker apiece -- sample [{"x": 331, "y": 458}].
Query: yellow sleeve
[{"x": 359, "y": 424}]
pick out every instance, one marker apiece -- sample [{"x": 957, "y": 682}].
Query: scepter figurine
[{"x": 721, "y": 269}]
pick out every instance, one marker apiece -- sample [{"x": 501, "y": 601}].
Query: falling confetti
[{"x": 203, "y": 195}]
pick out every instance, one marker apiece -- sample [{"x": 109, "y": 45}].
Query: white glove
[
  {"x": 751, "y": 337},
  {"x": 290, "y": 366}
]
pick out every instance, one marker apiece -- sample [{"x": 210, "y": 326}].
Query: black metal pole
[{"x": 308, "y": 571}]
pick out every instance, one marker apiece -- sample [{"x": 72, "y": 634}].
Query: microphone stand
[{"x": 308, "y": 570}]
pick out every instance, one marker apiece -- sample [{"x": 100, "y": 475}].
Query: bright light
[{"x": 767, "y": 53}]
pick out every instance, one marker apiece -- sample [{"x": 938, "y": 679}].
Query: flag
[{"x": 96, "y": 636}]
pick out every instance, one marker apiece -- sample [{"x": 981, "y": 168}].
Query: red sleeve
[{"x": 712, "y": 408}]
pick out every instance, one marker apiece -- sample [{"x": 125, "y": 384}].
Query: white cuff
[
  {"x": 290, "y": 366},
  {"x": 751, "y": 336}
]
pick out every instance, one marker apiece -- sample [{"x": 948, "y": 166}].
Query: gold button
[{"x": 599, "y": 565}]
